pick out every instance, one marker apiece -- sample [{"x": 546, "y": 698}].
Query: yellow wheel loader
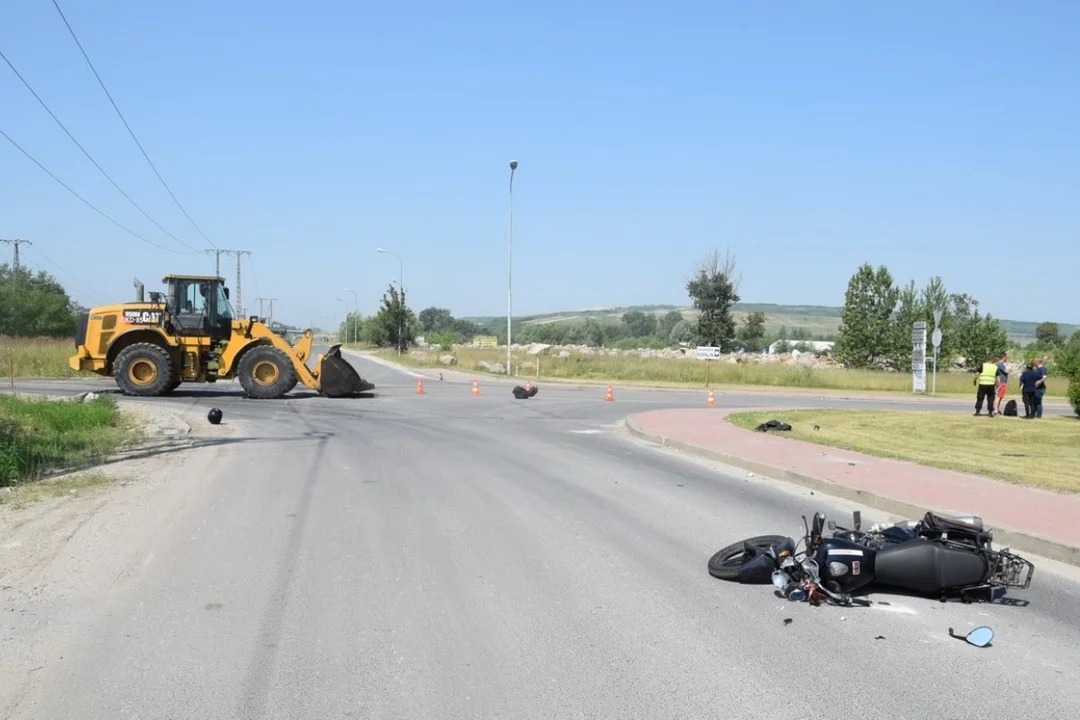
[{"x": 188, "y": 334}]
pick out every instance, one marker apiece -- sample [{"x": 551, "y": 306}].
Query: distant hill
[{"x": 817, "y": 320}]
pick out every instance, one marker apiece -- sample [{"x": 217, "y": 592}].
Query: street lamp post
[
  {"x": 510, "y": 270},
  {"x": 401, "y": 289},
  {"x": 348, "y": 318},
  {"x": 346, "y": 303}
]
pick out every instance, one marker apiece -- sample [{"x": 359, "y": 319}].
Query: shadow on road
[{"x": 159, "y": 447}]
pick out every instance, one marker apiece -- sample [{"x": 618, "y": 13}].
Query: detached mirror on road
[{"x": 979, "y": 637}]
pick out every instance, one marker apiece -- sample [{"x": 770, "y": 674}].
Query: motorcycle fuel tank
[{"x": 846, "y": 563}]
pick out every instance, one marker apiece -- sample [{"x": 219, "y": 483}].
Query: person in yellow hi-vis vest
[{"x": 987, "y": 381}]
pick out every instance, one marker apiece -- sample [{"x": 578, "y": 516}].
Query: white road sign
[
  {"x": 918, "y": 357},
  {"x": 708, "y": 353}
]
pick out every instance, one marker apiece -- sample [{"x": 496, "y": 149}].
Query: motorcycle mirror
[
  {"x": 979, "y": 637},
  {"x": 819, "y": 523},
  {"x": 832, "y": 524}
]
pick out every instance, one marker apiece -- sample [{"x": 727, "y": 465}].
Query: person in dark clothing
[
  {"x": 1040, "y": 386},
  {"x": 1027, "y": 389}
]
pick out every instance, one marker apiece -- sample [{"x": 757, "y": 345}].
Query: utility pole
[
  {"x": 217, "y": 260},
  {"x": 16, "y": 243},
  {"x": 238, "y": 254},
  {"x": 271, "y": 301}
]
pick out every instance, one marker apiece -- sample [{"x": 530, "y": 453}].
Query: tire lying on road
[
  {"x": 266, "y": 373},
  {"x": 727, "y": 563}
]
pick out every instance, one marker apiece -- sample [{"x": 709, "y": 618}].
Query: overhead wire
[
  {"x": 87, "y": 202},
  {"x": 94, "y": 292},
  {"x": 126, "y": 125},
  {"x": 87, "y": 154}
]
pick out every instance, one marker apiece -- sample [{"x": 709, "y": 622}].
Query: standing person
[
  {"x": 1040, "y": 386},
  {"x": 1002, "y": 380},
  {"x": 986, "y": 380},
  {"x": 1027, "y": 389}
]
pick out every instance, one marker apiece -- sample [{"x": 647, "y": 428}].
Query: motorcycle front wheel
[{"x": 728, "y": 563}]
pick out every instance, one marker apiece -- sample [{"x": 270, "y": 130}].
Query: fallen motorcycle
[{"x": 937, "y": 555}]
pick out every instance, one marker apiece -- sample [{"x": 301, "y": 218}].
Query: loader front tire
[
  {"x": 144, "y": 370},
  {"x": 266, "y": 373}
]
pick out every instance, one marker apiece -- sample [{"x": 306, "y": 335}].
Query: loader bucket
[{"x": 337, "y": 378}]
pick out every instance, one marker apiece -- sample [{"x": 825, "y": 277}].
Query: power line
[
  {"x": 87, "y": 154},
  {"x": 130, "y": 131},
  {"x": 87, "y": 202},
  {"x": 68, "y": 273}
]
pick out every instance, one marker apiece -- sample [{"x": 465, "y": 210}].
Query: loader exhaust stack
[{"x": 337, "y": 378}]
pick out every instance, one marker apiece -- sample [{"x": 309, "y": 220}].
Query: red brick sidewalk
[{"x": 1029, "y": 519}]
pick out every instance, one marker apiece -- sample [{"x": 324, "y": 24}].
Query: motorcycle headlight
[{"x": 780, "y": 579}]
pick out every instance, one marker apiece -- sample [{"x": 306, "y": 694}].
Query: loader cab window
[
  {"x": 200, "y": 307},
  {"x": 224, "y": 308}
]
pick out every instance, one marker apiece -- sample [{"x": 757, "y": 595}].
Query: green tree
[
  {"x": 639, "y": 324},
  {"x": 975, "y": 336},
  {"x": 436, "y": 320},
  {"x": 910, "y": 308},
  {"x": 351, "y": 328},
  {"x": 34, "y": 305},
  {"x": 668, "y": 323},
  {"x": 752, "y": 333},
  {"x": 683, "y": 332},
  {"x": 714, "y": 290},
  {"x": 394, "y": 324},
  {"x": 1048, "y": 334},
  {"x": 866, "y": 335},
  {"x": 783, "y": 344}
]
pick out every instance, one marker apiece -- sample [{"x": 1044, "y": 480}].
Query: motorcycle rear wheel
[{"x": 727, "y": 563}]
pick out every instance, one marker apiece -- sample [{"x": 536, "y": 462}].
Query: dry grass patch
[
  {"x": 37, "y": 357},
  {"x": 1037, "y": 453}
]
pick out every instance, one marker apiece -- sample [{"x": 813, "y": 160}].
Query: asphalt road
[{"x": 450, "y": 556}]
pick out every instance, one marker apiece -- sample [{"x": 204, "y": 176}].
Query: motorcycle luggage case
[{"x": 929, "y": 567}]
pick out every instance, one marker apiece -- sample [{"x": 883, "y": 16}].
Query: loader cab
[{"x": 199, "y": 306}]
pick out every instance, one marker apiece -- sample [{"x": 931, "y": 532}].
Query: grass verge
[
  {"x": 664, "y": 372},
  {"x": 38, "y": 435},
  {"x": 1036, "y": 453},
  {"x": 36, "y": 357}
]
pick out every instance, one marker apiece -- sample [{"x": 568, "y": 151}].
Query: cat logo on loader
[{"x": 188, "y": 334}]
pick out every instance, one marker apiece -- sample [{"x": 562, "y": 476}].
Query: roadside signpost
[
  {"x": 708, "y": 354},
  {"x": 936, "y": 338},
  {"x": 918, "y": 357}
]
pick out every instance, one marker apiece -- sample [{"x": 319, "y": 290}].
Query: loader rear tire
[
  {"x": 266, "y": 373},
  {"x": 144, "y": 370}
]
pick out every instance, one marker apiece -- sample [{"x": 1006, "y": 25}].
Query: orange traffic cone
[
  {"x": 610, "y": 395},
  {"x": 712, "y": 398},
  {"x": 420, "y": 386},
  {"x": 475, "y": 387}
]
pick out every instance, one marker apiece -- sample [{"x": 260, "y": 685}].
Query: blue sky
[{"x": 807, "y": 138}]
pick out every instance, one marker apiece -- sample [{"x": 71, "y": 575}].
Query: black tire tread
[
  {"x": 731, "y": 572},
  {"x": 161, "y": 358},
  {"x": 286, "y": 373}
]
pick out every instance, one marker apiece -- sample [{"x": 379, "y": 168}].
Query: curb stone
[{"x": 1003, "y": 537}]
